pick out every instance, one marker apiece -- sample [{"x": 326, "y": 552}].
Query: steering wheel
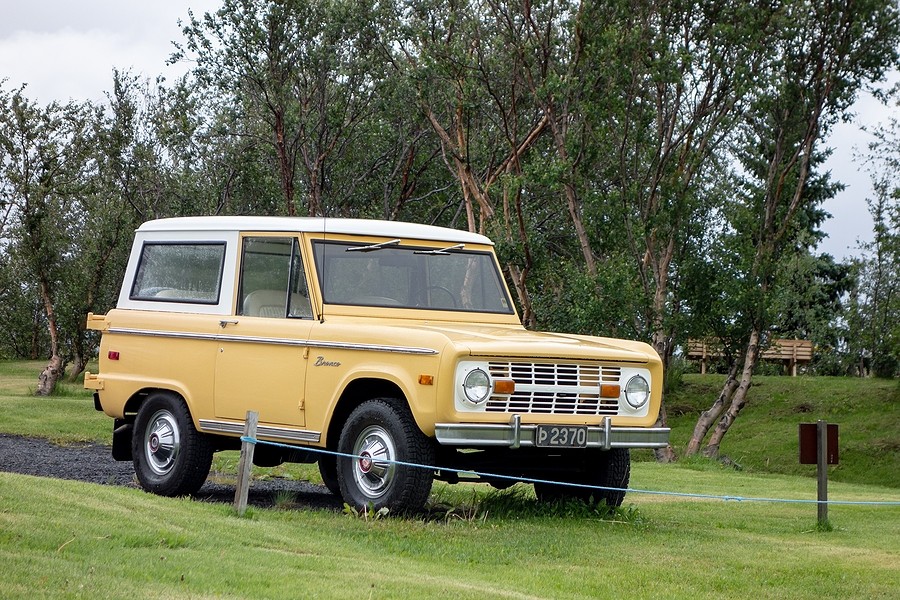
[{"x": 446, "y": 291}]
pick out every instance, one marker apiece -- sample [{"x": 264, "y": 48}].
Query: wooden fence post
[{"x": 246, "y": 463}]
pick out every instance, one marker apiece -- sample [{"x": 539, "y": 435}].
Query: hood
[{"x": 500, "y": 340}]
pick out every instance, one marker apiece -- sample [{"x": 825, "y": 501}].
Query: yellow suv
[{"x": 386, "y": 344}]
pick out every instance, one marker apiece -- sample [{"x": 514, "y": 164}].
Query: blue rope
[{"x": 251, "y": 440}]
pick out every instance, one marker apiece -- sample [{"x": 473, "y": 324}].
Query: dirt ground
[{"x": 93, "y": 463}]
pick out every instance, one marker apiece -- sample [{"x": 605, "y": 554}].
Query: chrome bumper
[{"x": 516, "y": 435}]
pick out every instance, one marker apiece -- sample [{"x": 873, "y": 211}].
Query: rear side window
[{"x": 179, "y": 272}]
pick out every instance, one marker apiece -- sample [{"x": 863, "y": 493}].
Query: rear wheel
[
  {"x": 602, "y": 468},
  {"x": 171, "y": 458},
  {"x": 378, "y": 433}
]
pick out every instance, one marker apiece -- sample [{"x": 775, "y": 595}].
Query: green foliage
[
  {"x": 23, "y": 332},
  {"x": 366, "y": 513},
  {"x": 569, "y": 300},
  {"x": 594, "y": 142}
]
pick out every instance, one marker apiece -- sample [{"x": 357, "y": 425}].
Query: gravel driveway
[{"x": 93, "y": 463}]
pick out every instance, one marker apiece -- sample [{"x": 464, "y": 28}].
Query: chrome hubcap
[
  {"x": 372, "y": 470},
  {"x": 162, "y": 442}
]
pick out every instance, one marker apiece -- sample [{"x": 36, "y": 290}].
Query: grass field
[
  {"x": 765, "y": 436},
  {"x": 61, "y": 539}
]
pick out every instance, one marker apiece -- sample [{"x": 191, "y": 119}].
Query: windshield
[{"x": 410, "y": 277}]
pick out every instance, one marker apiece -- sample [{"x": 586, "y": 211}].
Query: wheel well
[
  {"x": 355, "y": 394},
  {"x": 133, "y": 404}
]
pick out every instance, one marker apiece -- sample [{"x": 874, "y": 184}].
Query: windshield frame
[{"x": 427, "y": 287}]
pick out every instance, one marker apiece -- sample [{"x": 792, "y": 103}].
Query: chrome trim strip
[
  {"x": 498, "y": 434},
  {"x": 372, "y": 347},
  {"x": 263, "y": 431},
  {"x": 274, "y": 341},
  {"x": 173, "y": 334}
]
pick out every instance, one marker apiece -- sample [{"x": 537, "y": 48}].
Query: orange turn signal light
[
  {"x": 504, "y": 386},
  {"x": 426, "y": 379},
  {"x": 610, "y": 390}
]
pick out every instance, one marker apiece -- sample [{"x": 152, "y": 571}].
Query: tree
[
  {"x": 466, "y": 62},
  {"x": 818, "y": 57},
  {"x": 667, "y": 83},
  {"x": 44, "y": 157},
  {"x": 123, "y": 172},
  {"x": 875, "y": 301},
  {"x": 808, "y": 305},
  {"x": 298, "y": 76}
]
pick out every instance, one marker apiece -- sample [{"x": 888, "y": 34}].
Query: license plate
[{"x": 561, "y": 436}]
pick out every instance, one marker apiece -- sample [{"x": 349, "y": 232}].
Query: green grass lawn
[
  {"x": 67, "y": 416},
  {"x": 62, "y": 539},
  {"x": 765, "y": 436}
]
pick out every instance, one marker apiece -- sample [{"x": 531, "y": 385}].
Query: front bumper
[{"x": 516, "y": 435}]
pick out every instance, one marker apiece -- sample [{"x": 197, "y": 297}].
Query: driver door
[{"x": 260, "y": 363}]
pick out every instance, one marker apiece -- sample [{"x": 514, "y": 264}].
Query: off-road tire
[
  {"x": 171, "y": 458},
  {"x": 603, "y": 468},
  {"x": 384, "y": 428}
]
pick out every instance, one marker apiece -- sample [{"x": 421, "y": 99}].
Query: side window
[
  {"x": 179, "y": 272},
  {"x": 273, "y": 283}
]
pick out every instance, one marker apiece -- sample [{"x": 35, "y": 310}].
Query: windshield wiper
[
  {"x": 441, "y": 251},
  {"x": 372, "y": 247}
]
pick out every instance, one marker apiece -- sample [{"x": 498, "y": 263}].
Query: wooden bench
[{"x": 790, "y": 352}]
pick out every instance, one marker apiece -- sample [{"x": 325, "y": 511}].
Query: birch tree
[
  {"x": 819, "y": 55},
  {"x": 44, "y": 156}
]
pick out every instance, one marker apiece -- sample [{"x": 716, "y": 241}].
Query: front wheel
[
  {"x": 171, "y": 458},
  {"x": 378, "y": 433},
  {"x": 602, "y": 468}
]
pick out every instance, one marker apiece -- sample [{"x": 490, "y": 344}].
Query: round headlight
[
  {"x": 477, "y": 386},
  {"x": 637, "y": 391}
]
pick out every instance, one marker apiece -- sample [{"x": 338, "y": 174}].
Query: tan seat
[{"x": 270, "y": 303}]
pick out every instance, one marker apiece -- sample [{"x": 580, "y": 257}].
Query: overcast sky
[{"x": 68, "y": 48}]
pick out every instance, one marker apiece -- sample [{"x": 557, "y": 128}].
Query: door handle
[{"x": 225, "y": 322}]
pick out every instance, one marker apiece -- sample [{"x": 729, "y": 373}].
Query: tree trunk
[
  {"x": 709, "y": 416},
  {"x": 286, "y": 166},
  {"x": 49, "y": 376},
  {"x": 738, "y": 400},
  {"x": 78, "y": 365},
  {"x": 667, "y": 454},
  {"x": 79, "y": 352},
  {"x": 34, "y": 352},
  {"x": 572, "y": 201},
  {"x": 662, "y": 345},
  {"x": 518, "y": 277},
  {"x": 54, "y": 369}
]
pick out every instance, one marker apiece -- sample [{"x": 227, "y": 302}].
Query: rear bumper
[{"x": 515, "y": 435}]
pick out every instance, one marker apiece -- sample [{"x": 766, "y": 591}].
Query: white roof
[{"x": 369, "y": 227}]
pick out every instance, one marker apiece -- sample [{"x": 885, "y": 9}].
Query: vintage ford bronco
[{"x": 388, "y": 342}]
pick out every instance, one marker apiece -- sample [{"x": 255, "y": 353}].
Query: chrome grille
[{"x": 554, "y": 388}]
